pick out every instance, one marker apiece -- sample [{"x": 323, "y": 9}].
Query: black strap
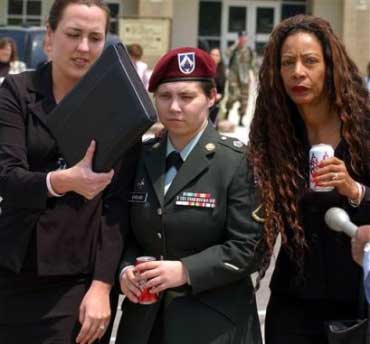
[{"x": 174, "y": 160}]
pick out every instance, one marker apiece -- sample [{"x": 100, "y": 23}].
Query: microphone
[{"x": 338, "y": 220}]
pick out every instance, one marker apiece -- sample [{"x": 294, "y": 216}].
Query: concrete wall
[
  {"x": 156, "y": 8},
  {"x": 357, "y": 31},
  {"x": 130, "y": 8},
  {"x": 185, "y": 23},
  {"x": 2, "y": 11},
  {"x": 331, "y": 10}
]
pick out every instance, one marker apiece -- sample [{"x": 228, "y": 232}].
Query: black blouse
[{"x": 329, "y": 272}]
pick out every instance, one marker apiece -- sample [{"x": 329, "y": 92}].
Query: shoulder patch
[{"x": 232, "y": 143}]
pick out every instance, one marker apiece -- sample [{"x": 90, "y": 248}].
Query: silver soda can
[{"x": 319, "y": 153}]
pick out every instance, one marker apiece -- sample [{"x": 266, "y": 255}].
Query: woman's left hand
[
  {"x": 160, "y": 275},
  {"x": 333, "y": 172},
  {"x": 94, "y": 313}
]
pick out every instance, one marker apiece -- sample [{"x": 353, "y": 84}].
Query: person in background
[
  {"x": 310, "y": 92},
  {"x": 9, "y": 63},
  {"x": 61, "y": 227},
  {"x": 136, "y": 53},
  {"x": 191, "y": 209},
  {"x": 242, "y": 63},
  {"x": 367, "y": 77},
  {"x": 220, "y": 80}
]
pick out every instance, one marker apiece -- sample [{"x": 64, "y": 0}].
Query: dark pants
[{"x": 295, "y": 321}]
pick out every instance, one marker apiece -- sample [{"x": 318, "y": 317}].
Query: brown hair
[
  {"x": 4, "y": 41},
  {"x": 207, "y": 86},
  {"x": 276, "y": 149},
  {"x": 135, "y": 51},
  {"x": 58, "y": 7}
]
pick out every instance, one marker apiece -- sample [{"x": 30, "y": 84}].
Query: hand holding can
[
  {"x": 146, "y": 297},
  {"x": 319, "y": 153}
]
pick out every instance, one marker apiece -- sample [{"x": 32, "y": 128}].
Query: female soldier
[
  {"x": 191, "y": 209},
  {"x": 60, "y": 238},
  {"x": 310, "y": 93}
]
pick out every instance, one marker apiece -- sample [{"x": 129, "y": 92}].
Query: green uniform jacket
[{"x": 217, "y": 245}]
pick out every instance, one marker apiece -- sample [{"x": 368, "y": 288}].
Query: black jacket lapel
[
  {"x": 154, "y": 159},
  {"x": 41, "y": 100}
]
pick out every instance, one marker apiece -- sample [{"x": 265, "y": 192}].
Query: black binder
[{"x": 110, "y": 105}]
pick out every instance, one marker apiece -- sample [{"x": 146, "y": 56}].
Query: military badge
[
  {"x": 186, "y": 62},
  {"x": 210, "y": 147},
  {"x": 140, "y": 184},
  {"x": 138, "y": 197},
  {"x": 238, "y": 144},
  {"x": 196, "y": 199}
]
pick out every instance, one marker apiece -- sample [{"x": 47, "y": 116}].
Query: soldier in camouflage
[{"x": 242, "y": 61}]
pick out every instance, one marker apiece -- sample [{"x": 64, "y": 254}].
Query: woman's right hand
[
  {"x": 130, "y": 285},
  {"x": 80, "y": 178}
]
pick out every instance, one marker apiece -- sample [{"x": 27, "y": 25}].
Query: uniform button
[
  {"x": 159, "y": 211},
  {"x": 223, "y": 138},
  {"x": 159, "y": 235}
]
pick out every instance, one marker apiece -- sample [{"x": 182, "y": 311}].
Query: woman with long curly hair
[{"x": 310, "y": 92}]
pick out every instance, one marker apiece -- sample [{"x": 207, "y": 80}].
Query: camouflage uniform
[{"x": 242, "y": 60}]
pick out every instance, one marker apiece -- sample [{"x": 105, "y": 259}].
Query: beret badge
[{"x": 186, "y": 62}]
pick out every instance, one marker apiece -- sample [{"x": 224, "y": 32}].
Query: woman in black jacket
[{"x": 60, "y": 226}]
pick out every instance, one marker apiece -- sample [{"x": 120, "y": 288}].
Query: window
[
  {"x": 209, "y": 18},
  {"x": 114, "y": 15},
  {"x": 237, "y": 19},
  {"x": 265, "y": 20},
  {"x": 292, "y": 9},
  {"x": 24, "y": 12},
  {"x": 209, "y": 25}
]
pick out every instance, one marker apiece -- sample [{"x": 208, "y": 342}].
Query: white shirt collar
[{"x": 189, "y": 146}]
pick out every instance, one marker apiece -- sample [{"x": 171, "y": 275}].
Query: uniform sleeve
[
  {"x": 19, "y": 187},
  {"x": 115, "y": 219},
  {"x": 236, "y": 258}
]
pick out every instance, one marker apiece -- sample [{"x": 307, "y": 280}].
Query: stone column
[{"x": 356, "y": 31}]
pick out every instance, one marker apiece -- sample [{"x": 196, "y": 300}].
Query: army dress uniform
[
  {"x": 242, "y": 61},
  {"x": 203, "y": 220}
]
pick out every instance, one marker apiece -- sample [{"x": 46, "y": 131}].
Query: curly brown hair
[{"x": 276, "y": 148}]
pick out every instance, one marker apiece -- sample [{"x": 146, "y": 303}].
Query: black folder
[{"x": 110, "y": 105}]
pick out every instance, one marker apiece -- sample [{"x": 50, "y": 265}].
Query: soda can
[
  {"x": 146, "y": 298},
  {"x": 319, "y": 153}
]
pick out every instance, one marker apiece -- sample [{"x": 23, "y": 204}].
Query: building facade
[{"x": 211, "y": 23}]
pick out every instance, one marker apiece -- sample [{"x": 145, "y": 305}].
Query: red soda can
[
  {"x": 146, "y": 298},
  {"x": 319, "y": 153}
]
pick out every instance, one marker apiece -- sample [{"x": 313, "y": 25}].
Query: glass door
[
  {"x": 258, "y": 18},
  {"x": 236, "y": 17},
  {"x": 266, "y": 15}
]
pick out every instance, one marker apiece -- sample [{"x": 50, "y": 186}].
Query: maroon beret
[{"x": 183, "y": 64}]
